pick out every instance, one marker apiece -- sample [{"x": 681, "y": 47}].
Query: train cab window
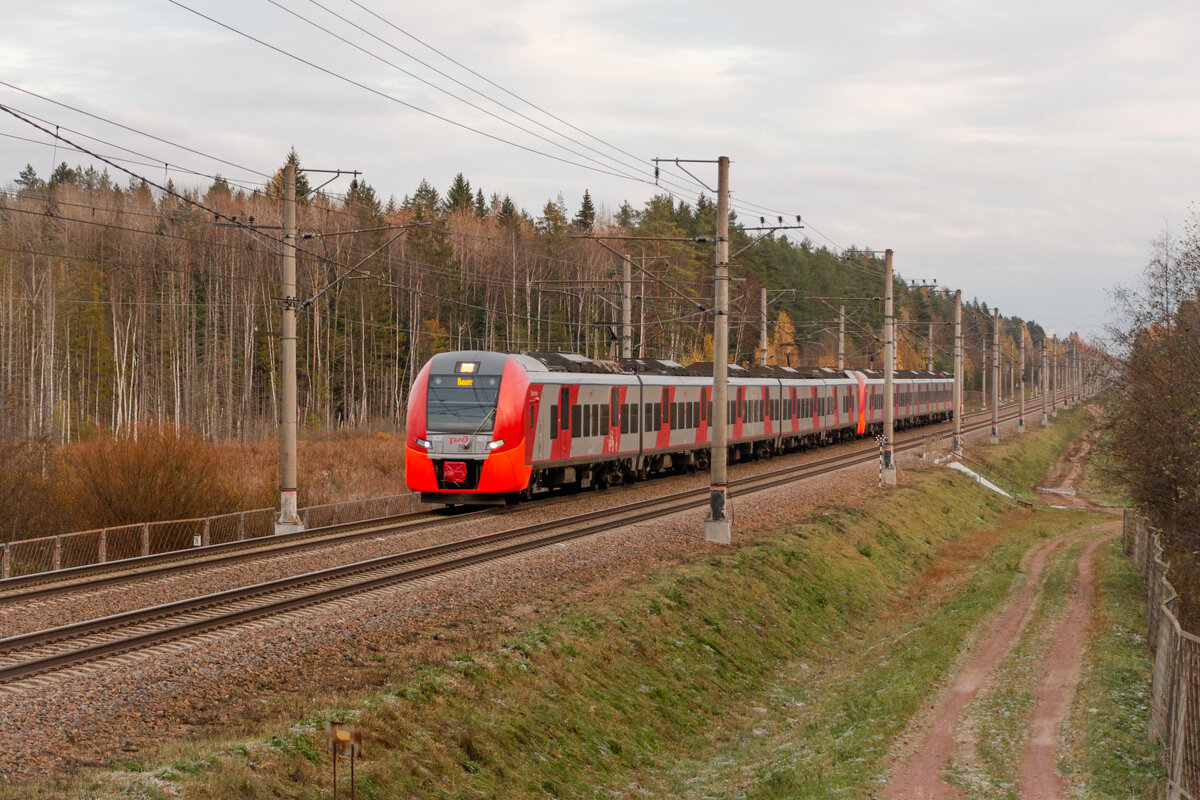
[
  {"x": 604, "y": 426},
  {"x": 576, "y": 422}
]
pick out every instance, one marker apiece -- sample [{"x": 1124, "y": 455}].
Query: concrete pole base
[
  {"x": 994, "y": 436},
  {"x": 718, "y": 531},
  {"x": 1021, "y": 426},
  {"x": 1045, "y": 421},
  {"x": 887, "y": 476},
  {"x": 288, "y": 520}
]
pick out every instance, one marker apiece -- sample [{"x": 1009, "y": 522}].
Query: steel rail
[
  {"x": 593, "y": 522},
  {"x": 66, "y": 581}
]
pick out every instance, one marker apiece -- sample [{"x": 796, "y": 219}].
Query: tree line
[
  {"x": 1152, "y": 434},
  {"x": 123, "y": 305}
]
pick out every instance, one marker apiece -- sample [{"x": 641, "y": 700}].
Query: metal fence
[
  {"x": 30, "y": 556},
  {"x": 1175, "y": 690}
]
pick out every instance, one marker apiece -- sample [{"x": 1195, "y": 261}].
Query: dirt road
[{"x": 920, "y": 776}]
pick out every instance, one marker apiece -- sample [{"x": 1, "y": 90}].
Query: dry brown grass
[{"x": 164, "y": 474}]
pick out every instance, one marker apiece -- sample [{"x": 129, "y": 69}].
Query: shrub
[{"x": 153, "y": 474}]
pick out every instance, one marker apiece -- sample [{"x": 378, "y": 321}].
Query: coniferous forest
[{"x": 123, "y": 305}]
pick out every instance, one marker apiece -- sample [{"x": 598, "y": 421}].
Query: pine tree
[
  {"x": 553, "y": 221},
  {"x": 29, "y": 181},
  {"x": 587, "y": 213},
  {"x": 62, "y": 174},
  {"x": 508, "y": 212},
  {"x": 480, "y": 206},
  {"x": 625, "y": 215},
  {"x": 424, "y": 203},
  {"x": 458, "y": 197},
  {"x": 275, "y": 187}
]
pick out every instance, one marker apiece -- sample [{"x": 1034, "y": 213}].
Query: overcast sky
[{"x": 1023, "y": 152}]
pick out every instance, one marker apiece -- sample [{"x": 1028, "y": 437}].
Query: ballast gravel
[{"x": 93, "y": 715}]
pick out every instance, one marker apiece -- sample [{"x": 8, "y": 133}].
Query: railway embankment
[{"x": 795, "y": 663}]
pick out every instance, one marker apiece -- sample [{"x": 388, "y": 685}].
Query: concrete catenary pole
[
  {"x": 995, "y": 435},
  {"x": 887, "y": 472},
  {"x": 956, "y": 440},
  {"x": 1074, "y": 374},
  {"x": 1045, "y": 376},
  {"x": 929, "y": 353},
  {"x": 627, "y": 307},
  {"x": 1055, "y": 376},
  {"x": 983, "y": 373},
  {"x": 762, "y": 329},
  {"x": 289, "y": 519},
  {"x": 1020, "y": 376},
  {"x": 718, "y": 527},
  {"x": 841, "y": 337}
]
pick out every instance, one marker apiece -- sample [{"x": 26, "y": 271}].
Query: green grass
[
  {"x": 1020, "y": 462},
  {"x": 786, "y": 666},
  {"x": 1110, "y": 718}
]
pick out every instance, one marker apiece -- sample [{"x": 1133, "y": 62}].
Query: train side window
[
  {"x": 576, "y": 422},
  {"x": 624, "y": 418},
  {"x": 633, "y": 418},
  {"x": 587, "y": 421},
  {"x": 604, "y": 421},
  {"x": 564, "y": 407},
  {"x": 696, "y": 414},
  {"x": 553, "y": 422},
  {"x": 658, "y": 416},
  {"x": 596, "y": 419},
  {"x": 649, "y": 416}
]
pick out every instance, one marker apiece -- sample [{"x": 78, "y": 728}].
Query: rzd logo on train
[{"x": 460, "y": 440}]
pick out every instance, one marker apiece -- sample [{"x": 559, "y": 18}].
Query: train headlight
[
  {"x": 424, "y": 443},
  {"x": 495, "y": 444}
]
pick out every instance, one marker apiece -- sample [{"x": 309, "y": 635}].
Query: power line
[
  {"x": 392, "y": 98},
  {"x": 448, "y": 77}
]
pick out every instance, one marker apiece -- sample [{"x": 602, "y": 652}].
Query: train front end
[{"x": 465, "y": 437}]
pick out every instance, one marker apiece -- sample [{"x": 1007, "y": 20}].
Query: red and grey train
[{"x": 492, "y": 427}]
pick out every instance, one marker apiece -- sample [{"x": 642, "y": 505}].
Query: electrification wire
[
  {"x": 217, "y": 214},
  {"x": 134, "y": 130},
  {"x": 515, "y": 96},
  {"x": 428, "y": 83},
  {"x": 394, "y": 99}
]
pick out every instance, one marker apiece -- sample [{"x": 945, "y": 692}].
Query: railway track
[
  {"x": 38, "y": 652},
  {"x": 94, "y": 576}
]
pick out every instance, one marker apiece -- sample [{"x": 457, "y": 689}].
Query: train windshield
[{"x": 459, "y": 404}]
